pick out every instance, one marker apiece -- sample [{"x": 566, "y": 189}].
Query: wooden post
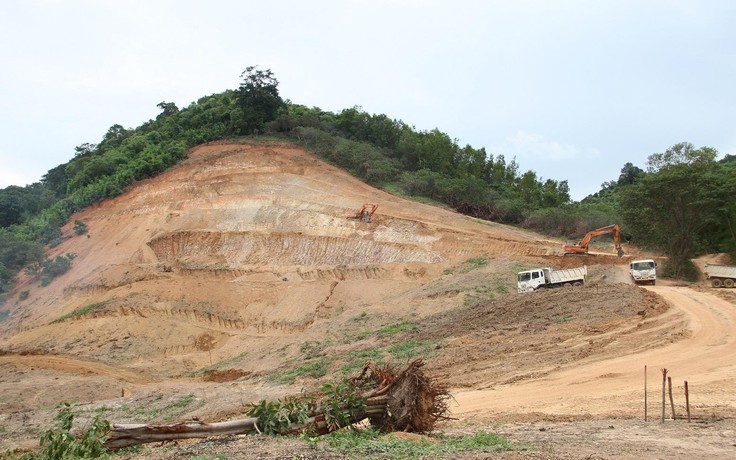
[
  {"x": 672, "y": 403},
  {"x": 687, "y": 402},
  {"x": 645, "y": 393},
  {"x": 664, "y": 392}
]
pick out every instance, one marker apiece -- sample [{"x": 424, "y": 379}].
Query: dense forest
[{"x": 681, "y": 205}]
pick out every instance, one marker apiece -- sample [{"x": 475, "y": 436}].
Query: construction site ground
[{"x": 236, "y": 277}]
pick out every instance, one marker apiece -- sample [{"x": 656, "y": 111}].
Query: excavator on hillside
[
  {"x": 581, "y": 247},
  {"x": 364, "y": 214}
]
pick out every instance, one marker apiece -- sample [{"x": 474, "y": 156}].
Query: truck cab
[
  {"x": 530, "y": 280},
  {"x": 643, "y": 271}
]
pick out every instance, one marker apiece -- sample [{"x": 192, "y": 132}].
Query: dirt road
[{"x": 614, "y": 384}]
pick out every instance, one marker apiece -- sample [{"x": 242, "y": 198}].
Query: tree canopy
[{"x": 680, "y": 206}]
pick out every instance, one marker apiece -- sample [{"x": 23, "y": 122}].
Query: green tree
[
  {"x": 629, "y": 174},
  {"x": 13, "y": 203},
  {"x": 259, "y": 99},
  {"x": 167, "y": 108},
  {"x": 674, "y": 207}
]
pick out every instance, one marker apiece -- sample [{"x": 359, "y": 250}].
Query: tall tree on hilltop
[
  {"x": 675, "y": 207},
  {"x": 258, "y": 96}
]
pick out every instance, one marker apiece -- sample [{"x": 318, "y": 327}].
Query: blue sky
[{"x": 572, "y": 89}]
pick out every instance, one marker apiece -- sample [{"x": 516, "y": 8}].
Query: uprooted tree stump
[{"x": 407, "y": 400}]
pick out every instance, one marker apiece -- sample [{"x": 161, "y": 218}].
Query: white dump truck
[
  {"x": 721, "y": 275},
  {"x": 643, "y": 271},
  {"x": 539, "y": 278}
]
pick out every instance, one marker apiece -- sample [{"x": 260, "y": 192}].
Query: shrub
[
  {"x": 56, "y": 267},
  {"x": 60, "y": 443},
  {"x": 80, "y": 228}
]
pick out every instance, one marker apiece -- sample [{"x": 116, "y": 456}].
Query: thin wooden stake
[
  {"x": 687, "y": 402},
  {"x": 672, "y": 403},
  {"x": 645, "y": 393},
  {"x": 664, "y": 392}
]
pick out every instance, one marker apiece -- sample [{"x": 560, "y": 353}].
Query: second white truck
[
  {"x": 643, "y": 271},
  {"x": 721, "y": 275},
  {"x": 539, "y": 278}
]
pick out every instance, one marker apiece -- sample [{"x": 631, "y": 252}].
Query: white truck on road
[
  {"x": 721, "y": 275},
  {"x": 539, "y": 278},
  {"x": 643, "y": 271}
]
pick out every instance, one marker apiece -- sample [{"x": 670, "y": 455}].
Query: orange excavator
[
  {"x": 581, "y": 247},
  {"x": 364, "y": 214}
]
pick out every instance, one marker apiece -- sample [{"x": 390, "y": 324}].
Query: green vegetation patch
[
  {"x": 79, "y": 312},
  {"x": 168, "y": 411},
  {"x": 473, "y": 263},
  {"x": 373, "y": 445},
  {"x": 4, "y": 315},
  {"x": 314, "y": 369},
  {"x": 387, "y": 330},
  {"x": 399, "y": 352}
]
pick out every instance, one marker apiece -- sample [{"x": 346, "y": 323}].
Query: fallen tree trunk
[
  {"x": 123, "y": 435},
  {"x": 404, "y": 401}
]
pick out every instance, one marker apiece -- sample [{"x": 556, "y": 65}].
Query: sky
[{"x": 572, "y": 89}]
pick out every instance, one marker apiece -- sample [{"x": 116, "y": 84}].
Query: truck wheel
[
  {"x": 728, "y": 283},
  {"x": 577, "y": 283},
  {"x": 567, "y": 285},
  {"x": 716, "y": 283}
]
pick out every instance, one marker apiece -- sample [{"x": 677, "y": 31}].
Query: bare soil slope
[{"x": 235, "y": 276}]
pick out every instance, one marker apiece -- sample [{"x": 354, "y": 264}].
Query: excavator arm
[
  {"x": 364, "y": 214},
  {"x": 581, "y": 247}
]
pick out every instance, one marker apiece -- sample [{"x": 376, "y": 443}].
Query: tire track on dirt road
[{"x": 613, "y": 384}]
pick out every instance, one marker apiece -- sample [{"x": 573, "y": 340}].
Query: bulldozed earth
[{"x": 236, "y": 277}]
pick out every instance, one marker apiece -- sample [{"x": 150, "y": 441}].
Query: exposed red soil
[{"x": 212, "y": 281}]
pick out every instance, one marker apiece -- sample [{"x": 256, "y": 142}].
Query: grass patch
[
  {"x": 79, "y": 312},
  {"x": 563, "y": 318},
  {"x": 412, "y": 349},
  {"x": 393, "y": 329},
  {"x": 400, "y": 352},
  {"x": 472, "y": 264},
  {"x": 373, "y": 445},
  {"x": 169, "y": 411},
  {"x": 467, "y": 266},
  {"x": 387, "y": 330},
  {"x": 314, "y": 369},
  {"x": 4, "y": 315},
  {"x": 361, "y": 317}
]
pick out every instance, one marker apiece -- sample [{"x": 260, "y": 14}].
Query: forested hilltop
[{"x": 682, "y": 204}]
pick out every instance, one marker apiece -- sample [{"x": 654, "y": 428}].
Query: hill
[{"x": 238, "y": 265}]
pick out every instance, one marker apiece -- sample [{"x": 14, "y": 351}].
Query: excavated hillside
[
  {"x": 239, "y": 244},
  {"x": 235, "y": 276}
]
